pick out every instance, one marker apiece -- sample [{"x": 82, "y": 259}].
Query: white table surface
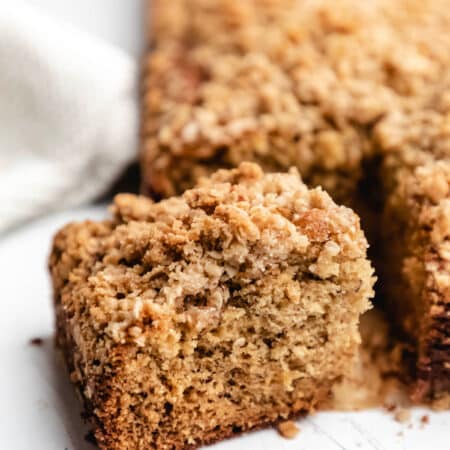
[{"x": 38, "y": 409}]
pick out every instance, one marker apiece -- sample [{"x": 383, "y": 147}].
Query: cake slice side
[
  {"x": 414, "y": 248},
  {"x": 226, "y": 309},
  {"x": 415, "y": 268}
]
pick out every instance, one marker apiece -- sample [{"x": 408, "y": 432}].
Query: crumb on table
[
  {"x": 402, "y": 415},
  {"x": 288, "y": 429},
  {"x": 36, "y": 341}
]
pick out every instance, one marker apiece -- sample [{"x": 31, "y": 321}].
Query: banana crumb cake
[
  {"x": 355, "y": 94},
  {"x": 228, "y": 308}
]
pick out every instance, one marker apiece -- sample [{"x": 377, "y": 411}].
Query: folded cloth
[{"x": 68, "y": 114}]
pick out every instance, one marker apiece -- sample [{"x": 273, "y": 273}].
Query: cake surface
[
  {"x": 231, "y": 307},
  {"x": 282, "y": 83},
  {"x": 354, "y": 94}
]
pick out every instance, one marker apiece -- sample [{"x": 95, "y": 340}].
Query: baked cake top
[
  {"x": 158, "y": 270},
  {"x": 284, "y": 82}
]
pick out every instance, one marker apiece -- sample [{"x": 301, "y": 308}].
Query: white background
[
  {"x": 38, "y": 409},
  {"x": 117, "y": 21}
]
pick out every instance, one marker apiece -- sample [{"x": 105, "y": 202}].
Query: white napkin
[{"x": 68, "y": 114}]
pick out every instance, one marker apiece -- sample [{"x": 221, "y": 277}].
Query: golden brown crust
[{"x": 184, "y": 321}]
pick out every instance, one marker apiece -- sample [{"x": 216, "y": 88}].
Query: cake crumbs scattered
[
  {"x": 288, "y": 429},
  {"x": 36, "y": 341},
  {"x": 402, "y": 415},
  {"x": 425, "y": 419}
]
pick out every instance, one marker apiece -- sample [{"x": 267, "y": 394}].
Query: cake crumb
[
  {"x": 425, "y": 419},
  {"x": 36, "y": 341},
  {"x": 402, "y": 415},
  {"x": 288, "y": 429}
]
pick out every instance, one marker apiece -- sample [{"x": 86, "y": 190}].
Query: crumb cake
[
  {"x": 228, "y": 308},
  {"x": 414, "y": 243},
  {"x": 282, "y": 83},
  {"x": 353, "y": 94}
]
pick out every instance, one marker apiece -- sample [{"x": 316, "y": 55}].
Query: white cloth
[{"x": 68, "y": 114}]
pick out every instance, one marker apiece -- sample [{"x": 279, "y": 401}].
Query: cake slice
[
  {"x": 226, "y": 309},
  {"x": 414, "y": 250}
]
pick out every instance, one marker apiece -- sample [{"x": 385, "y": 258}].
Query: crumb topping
[
  {"x": 161, "y": 266},
  {"x": 284, "y": 83}
]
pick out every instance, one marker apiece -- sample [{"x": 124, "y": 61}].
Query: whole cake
[
  {"x": 355, "y": 94},
  {"x": 231, "y": 307}
]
